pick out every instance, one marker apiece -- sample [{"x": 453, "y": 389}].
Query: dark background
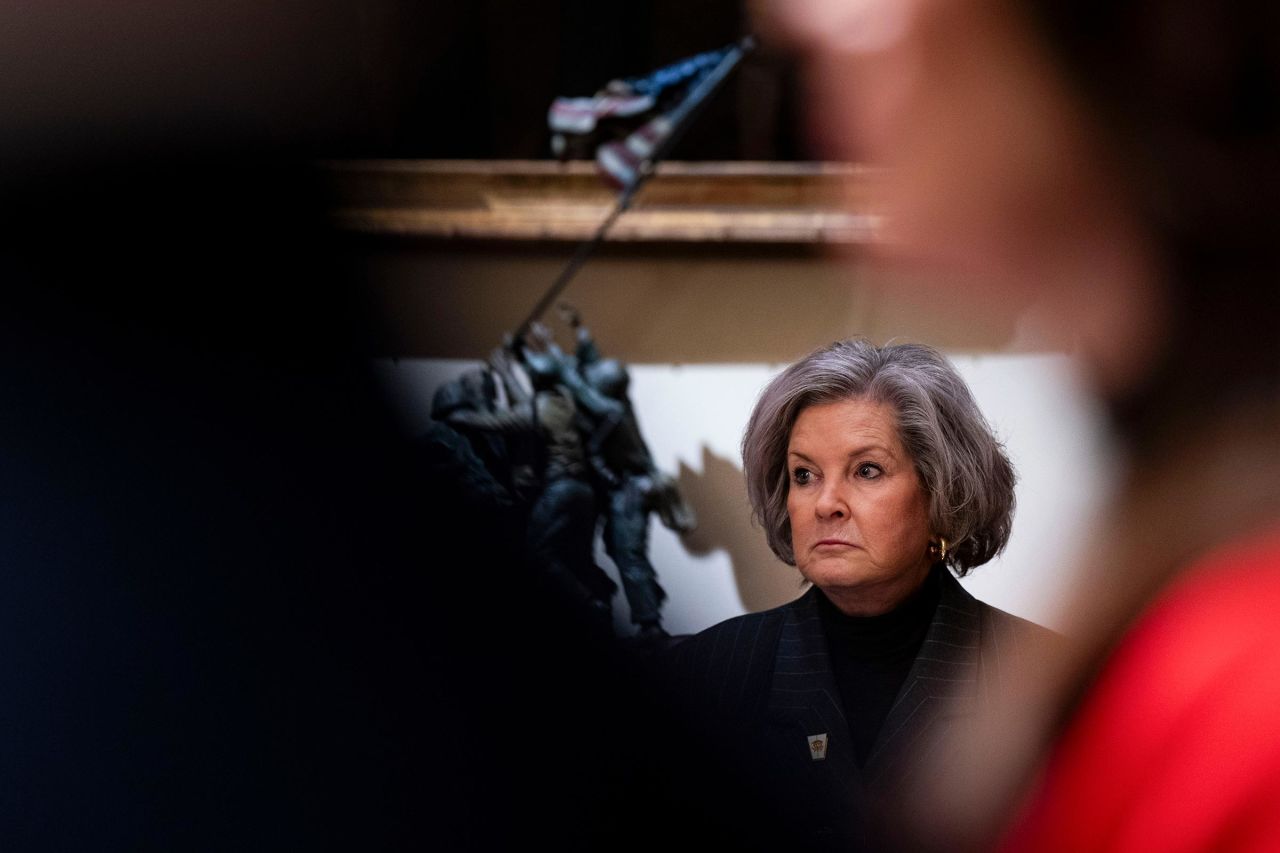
[
  {"x": 495, "y": 67},
  {"x": 382, "y": 78},
  {"x": 235, "y": 614}
]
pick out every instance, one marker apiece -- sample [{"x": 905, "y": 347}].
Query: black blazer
[{"x": 761, "y": 685}]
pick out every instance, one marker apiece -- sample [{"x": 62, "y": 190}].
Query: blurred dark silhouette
[{"x": 239, "y": 611}]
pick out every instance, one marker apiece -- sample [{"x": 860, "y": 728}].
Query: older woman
[{"x": 873, "y": 472}]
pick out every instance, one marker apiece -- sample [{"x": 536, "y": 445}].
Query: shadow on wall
[{"x": 719, "y": 496}]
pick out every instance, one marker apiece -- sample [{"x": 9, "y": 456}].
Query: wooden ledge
[{"x": 542, "y": 200}]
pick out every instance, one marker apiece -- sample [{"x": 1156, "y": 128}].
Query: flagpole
[{"x": 681, "y": 117}]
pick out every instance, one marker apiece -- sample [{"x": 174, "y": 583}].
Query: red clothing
[{"x": 1177, "y": 747}]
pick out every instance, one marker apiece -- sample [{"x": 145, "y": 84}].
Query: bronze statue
[
  {"x": 559, "y": 529},
  {"x": 630, "y": 484},
  {"x": 556, "y": 456}
]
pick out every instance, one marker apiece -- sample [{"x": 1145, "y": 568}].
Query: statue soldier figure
[
  {"x": 561, "y": 522},
  {"x": 555, "y": 457},
  {"x": 633, "y": 486}
]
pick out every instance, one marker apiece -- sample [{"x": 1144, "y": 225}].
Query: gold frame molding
[{"x": 542, "y": 200}]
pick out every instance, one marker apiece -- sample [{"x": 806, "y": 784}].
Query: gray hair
[{"x": 962, "y": 466}]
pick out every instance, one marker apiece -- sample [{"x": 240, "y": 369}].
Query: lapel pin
[{"x": 818, "y": 746}]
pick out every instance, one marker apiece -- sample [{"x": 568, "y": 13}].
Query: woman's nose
[{"x": 832, "y": 502}]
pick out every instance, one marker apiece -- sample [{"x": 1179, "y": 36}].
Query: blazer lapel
[
  {"x": 804, "y": 702},
  {"x": 942, "y": 682}
]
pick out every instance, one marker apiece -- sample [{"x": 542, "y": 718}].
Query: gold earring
[{"x": 939, "y": 548}]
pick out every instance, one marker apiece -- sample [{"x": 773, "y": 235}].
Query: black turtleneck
[{"x": 871, "y": 656}]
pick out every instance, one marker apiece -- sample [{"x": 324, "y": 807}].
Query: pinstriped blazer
[{"x": 762, "y": 684}]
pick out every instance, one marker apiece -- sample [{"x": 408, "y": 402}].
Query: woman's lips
[{"x": 835, "y": 543}]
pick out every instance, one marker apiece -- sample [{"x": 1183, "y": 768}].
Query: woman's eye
[
  {"x": 802, "y": 476},
  {"x": 869, "y": 471}
]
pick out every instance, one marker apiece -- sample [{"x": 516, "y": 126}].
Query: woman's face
[{"x": 859, "y": 515}]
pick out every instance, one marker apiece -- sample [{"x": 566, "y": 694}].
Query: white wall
[{"x": 693, "y": 416}]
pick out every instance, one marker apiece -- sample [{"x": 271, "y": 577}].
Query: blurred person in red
[{"x": 1107, "y": 173}]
